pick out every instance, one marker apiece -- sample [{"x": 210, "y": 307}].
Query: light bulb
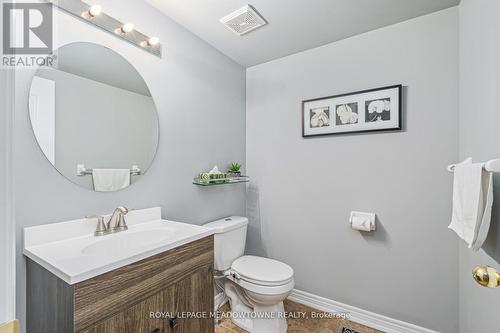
[
  {"x": 153, "y": 41},
  {"x": 95, "y": 10},
  {"x": 127, "y": 27}
]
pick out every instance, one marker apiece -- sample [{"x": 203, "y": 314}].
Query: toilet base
[{"x": 254, "y": 317}]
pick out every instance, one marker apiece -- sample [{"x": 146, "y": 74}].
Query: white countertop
[{"x": 70, "y": 250}]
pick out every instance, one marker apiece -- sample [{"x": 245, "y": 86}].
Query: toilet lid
[{"x": 263, "y": 271}]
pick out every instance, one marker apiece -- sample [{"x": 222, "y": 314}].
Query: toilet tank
[{"x": 229, "y": 240}]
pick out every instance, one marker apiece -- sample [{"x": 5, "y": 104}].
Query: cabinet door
[
  {"x": 192, "y": 296},
  {"x": 187, "y": 306},
  {"x": 136, "y": 319}
]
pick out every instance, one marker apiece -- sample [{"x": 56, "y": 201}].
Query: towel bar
[
  {"x": 81, "y": 170},
  {"x": 490, "y": 166}
]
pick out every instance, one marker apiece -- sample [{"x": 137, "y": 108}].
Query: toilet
[{"x": 256, "y": 286}]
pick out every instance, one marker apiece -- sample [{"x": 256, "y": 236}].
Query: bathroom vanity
[
  {"x": 137, "y": 274},
  {"x": 155, "y": 277}
]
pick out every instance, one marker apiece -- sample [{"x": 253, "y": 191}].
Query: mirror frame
[{"x": 144, "y": 170}]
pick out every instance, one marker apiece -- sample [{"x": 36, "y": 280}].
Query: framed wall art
[{"x": 363, "y": 111}]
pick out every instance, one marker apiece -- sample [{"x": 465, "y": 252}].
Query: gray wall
[
  {"x": 304, "y": 189},
  {"x": 3, "y": 199},
  {"x": 4, "y": 279},
  {"x": 480, "y": 139},
  {"x": 101, "y": 126},
  {"x": 7, "y": 278},
  {"x": 5, "y": 105},
  {"x": 200, "y": 96}
]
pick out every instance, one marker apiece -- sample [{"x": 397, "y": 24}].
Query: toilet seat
[
  {"x": 262, "y": 271},
  {"x": 263, "y": 290},
  {"x": 262, "y": 275}
]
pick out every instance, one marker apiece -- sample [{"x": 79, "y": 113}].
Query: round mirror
[{"x": 94, "y": 118}]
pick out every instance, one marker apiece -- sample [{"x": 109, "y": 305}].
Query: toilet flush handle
[{"x": 233, "y": 274}]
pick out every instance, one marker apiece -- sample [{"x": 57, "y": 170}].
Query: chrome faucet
[
  {"x": 117, "y": 221},
  {"x": 115, "y": 224}
]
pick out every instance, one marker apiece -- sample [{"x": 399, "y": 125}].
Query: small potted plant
[{"x": 234, "y": 170}]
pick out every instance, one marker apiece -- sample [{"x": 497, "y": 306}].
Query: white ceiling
[{"x": 294, "y": 25}]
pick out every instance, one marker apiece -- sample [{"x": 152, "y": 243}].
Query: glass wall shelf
[{"x": 223, "y": 181}]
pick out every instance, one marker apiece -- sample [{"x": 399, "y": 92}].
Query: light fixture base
[{"x": 107, "y": 23}]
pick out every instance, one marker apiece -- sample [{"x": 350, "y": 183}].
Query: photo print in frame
[{"x": 363, "y": 111}]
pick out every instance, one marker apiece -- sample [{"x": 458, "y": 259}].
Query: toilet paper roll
[{"x": 362, "y": 221}]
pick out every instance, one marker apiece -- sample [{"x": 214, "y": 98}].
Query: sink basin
[
  {"x": 127, "y": 241},
  {"x": 72, "y": 252}
]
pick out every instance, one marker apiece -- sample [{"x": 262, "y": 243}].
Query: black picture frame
[{"x": 398, "y": 126}]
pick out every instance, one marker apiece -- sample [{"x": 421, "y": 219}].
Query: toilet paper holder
[{"x": 362, "y": 221}]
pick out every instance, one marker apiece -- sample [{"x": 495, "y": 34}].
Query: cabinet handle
[
  {"x": 156, "y": 330},
  {"x": 173, "y": 322}
]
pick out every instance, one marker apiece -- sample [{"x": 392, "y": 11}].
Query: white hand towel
[
  {"x": 487, "y": 193},
  {"x": 107, "y": 180},
  {"x": 472, "y": 199}
]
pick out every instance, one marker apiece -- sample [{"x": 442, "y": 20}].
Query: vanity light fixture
[
  {"x": 94, "y": 15},
  {"x": 153, "y": 41},
  {"x": 94, "y": 11},
  {"x": 126, "y": 28}
]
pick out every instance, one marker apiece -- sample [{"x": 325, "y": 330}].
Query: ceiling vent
[{"x": 243, "y": 20}]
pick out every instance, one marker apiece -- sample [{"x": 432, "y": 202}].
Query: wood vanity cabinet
[{"x": 176, "y": 284}]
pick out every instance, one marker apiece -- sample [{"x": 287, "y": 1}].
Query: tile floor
[{"x": 302, "y": 325}]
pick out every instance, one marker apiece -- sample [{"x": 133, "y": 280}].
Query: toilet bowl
[
  {"x": 256, "y": 289},
  {"x": 256, "y": 286}
]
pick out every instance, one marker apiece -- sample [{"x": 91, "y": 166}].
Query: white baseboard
[{"x": 370, "y": 319}]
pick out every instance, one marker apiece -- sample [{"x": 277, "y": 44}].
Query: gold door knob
[{"x": 486, "y": 276}]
